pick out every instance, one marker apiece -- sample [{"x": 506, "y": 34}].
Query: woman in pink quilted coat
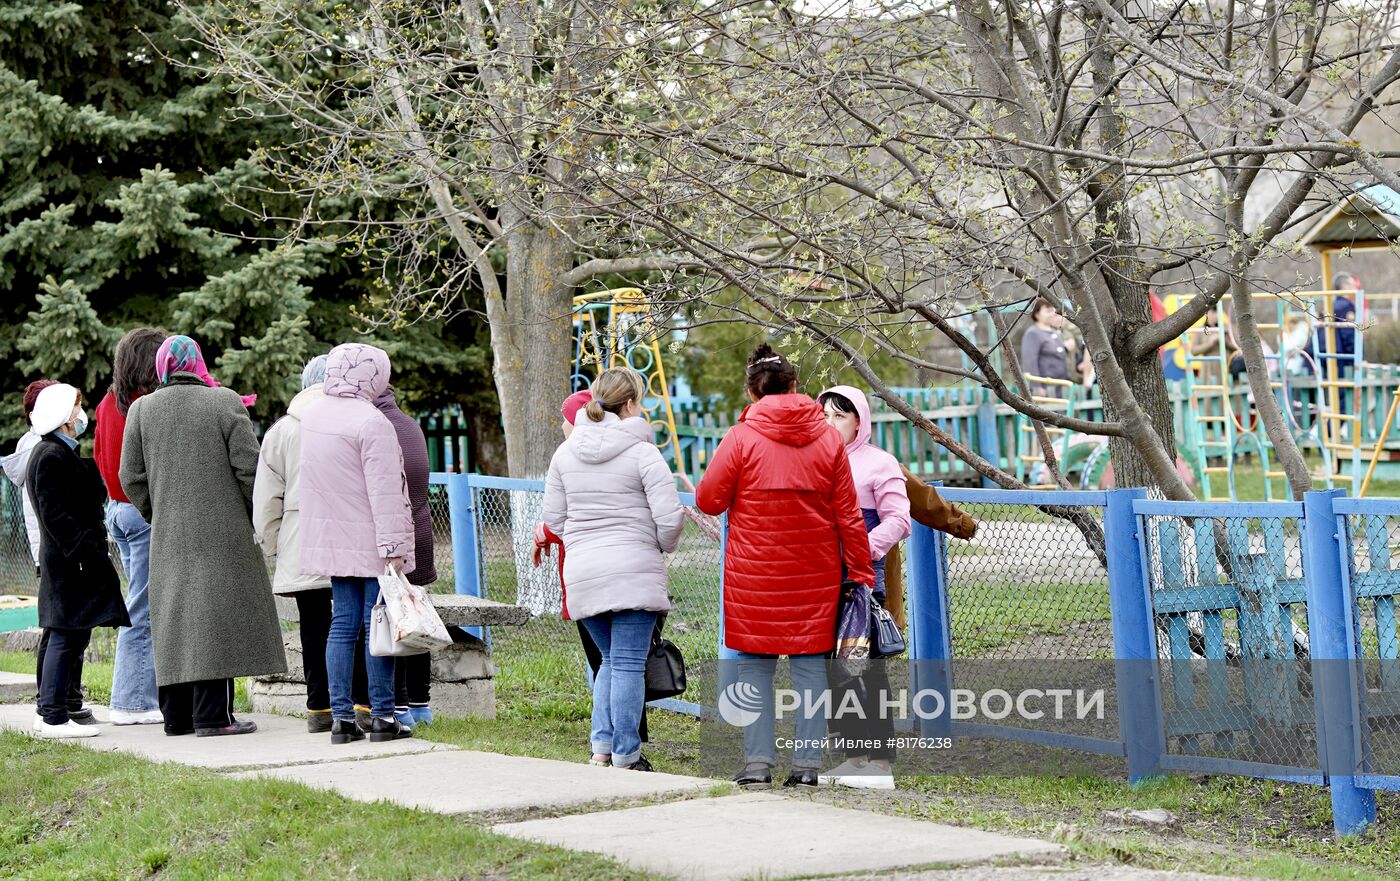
[{"x": 355, "y": 522}]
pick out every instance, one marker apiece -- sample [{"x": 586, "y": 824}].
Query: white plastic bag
[{"x": 404, "y": 621}]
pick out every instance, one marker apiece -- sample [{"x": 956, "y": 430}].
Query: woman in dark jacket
[
  {"x": 794, "y": 523},
  {"x": 78, "y": 588},
  {"x": 412, "y": 690}
]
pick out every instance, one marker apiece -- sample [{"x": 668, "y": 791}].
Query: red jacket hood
[{"x": 792, "y": 420}]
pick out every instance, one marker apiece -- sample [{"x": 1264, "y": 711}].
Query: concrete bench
[{"x": 462, "y": 674}]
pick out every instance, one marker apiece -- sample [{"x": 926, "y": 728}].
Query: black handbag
[
  {"x": 885, "y": 639},
  {"x": 665, "y": 673}
]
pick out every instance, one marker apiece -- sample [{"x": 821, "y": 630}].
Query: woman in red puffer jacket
[{"x": 783, "y": 476}]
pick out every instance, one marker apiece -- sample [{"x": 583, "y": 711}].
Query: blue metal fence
[{"x": 1213, "y": 616}]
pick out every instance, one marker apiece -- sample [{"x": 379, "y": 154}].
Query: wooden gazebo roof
[{"x": 1369, "y": 218}]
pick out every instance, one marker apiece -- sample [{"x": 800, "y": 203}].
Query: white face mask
[{"x": 80, "y": 423}]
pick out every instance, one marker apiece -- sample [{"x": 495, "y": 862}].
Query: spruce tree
[{"x": 117, "y": 161}]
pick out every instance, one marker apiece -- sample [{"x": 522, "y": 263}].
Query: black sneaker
[
  {"x": 82, "y": 717},
  {"x": 343, "y": 731},
  {"x": 754, "y": 777},
  {"x": 318, "y": 723},
  {"x": 236, "y": 727},
  {"x": 640, "y": 765},
  {"x": 801, "y": 779},
  {"x": 177, "y": 732},
  {"x": 388, "y": 729}
]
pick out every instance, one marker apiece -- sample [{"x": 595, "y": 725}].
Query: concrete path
[
  {"x": 700, "y": 835},
  {"x": 770, "y": 836},
  {"x": 279, "y": 740},
  {"x": 17, "y": 686},
  {"x": 1077, "y": 872},
  {"x": 466, "y": 782}
]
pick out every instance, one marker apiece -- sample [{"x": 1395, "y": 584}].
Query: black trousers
[
  {"x": 412, "y": 687},
  {"x": 206, "y": 703},
  {"x": 869, "y": 687},
  {"x": 75, "y": 677},
  {"x": 314, "y": 612},
  {"x": 61, "y": 672},
  {"x": 595, "y": 660}
]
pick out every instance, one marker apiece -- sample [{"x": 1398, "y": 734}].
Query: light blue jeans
[
  {"x": 134, "y": 671},
  {"x": 809, "y": 680},
  {"x": 352, "y": 602},
  {"x": 619, "y": 690}
]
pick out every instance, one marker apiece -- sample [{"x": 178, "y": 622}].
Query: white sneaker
[
  {"x": 144, "y": 717},
  {"x": 38, "y": 720},
  {"x": 860, "y": 774},
  {"x": 66, "y": 730}
]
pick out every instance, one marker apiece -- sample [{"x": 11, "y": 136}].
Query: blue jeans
[
  {"x": 809, "y": 680},
  {"x": 134, "y": 671},
  {"x": 352, "y": 601},
  {"x": 619, "y": 689}
]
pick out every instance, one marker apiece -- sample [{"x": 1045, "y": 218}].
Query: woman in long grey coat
[{"x": 188, "y": 460}]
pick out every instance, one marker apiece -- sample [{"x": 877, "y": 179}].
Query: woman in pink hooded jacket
[
  {"x": 884, "y": 503},
  {"x": 355, "y": 522}
]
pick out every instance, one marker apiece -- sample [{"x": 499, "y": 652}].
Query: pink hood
[
  {"x": 355, "y": 510},
  {"x": 879, "y": 480}
]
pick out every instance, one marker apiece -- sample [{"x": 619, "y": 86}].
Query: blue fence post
[
  {"x": 466, "y": 549},
  {"x": 988, "y": 442},
  {"x": 1332, "y": 639},
  {"x": 930, "y": 646},
  {"x": 1134, "y": 636}
]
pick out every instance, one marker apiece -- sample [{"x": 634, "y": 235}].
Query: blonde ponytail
[{"x": 613, "y": 389}]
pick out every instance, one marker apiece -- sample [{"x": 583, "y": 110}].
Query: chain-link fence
[
  {"x": 544, "y": 658},
  {"x": 16, "y": 563},
  {"x": 442, "y": 539},
  {"x": 1028, "y": 605},
  {"x": 1230, "y": 608},
  {"x": 1375, "y": 578}
]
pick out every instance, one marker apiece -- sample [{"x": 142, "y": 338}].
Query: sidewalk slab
[
  {"x": 17, "y": 685},
  {"x": 279, "y": 740},
  {"x": 468, "y": 782},
  {"x": 769, "y": 836}
]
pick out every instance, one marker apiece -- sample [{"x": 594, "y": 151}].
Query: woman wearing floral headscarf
[{"x": 188, "y": 460}]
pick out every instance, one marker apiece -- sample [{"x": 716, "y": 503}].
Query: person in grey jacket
[
  {"x": 1043, "y": 350},
  {"x": 612, "y": 499}
]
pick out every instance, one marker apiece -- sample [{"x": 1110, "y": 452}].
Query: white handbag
[{"x": 403, "y": 621}]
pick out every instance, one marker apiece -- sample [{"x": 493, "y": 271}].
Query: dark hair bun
[
  {"x": 769, "y": 373},
  {"x": 761, "y": 351}
]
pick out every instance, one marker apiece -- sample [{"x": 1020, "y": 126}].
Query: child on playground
[{"x": 884, "y": 505}]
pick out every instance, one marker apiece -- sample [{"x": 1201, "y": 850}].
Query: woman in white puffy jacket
[{"x": 611, "y": 497}]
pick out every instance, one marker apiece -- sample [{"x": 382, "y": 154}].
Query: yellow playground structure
[
  {"x": 1314, "y": 347},
  {"x": 616, "y": 328}
]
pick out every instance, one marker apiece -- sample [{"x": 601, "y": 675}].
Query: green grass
[
  {"x": 1249, "y": 482},
  {"x": 1231, "y": 825},
  {"x": 68, "y": 812}
]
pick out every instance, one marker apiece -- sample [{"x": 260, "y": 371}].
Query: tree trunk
[
  {"x": 533, "y": 355},
  {"x": 1149, "y": 385}
]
